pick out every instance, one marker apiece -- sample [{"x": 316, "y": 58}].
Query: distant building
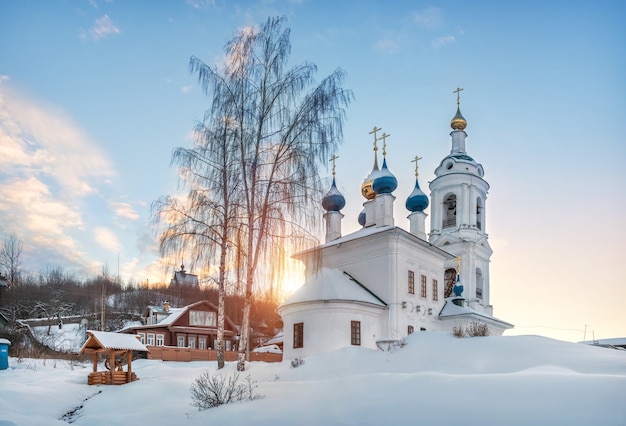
[{"x": 183, "y": 278}]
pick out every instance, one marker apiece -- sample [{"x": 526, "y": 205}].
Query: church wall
[
  {"x": 417, "y": 311},
  {"x": 367, "y": 260},
  {"x": 327, "y": 326}
]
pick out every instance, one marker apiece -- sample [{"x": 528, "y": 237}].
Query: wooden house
[
  {"x": 193, "y": 326},
  {"x": 117, "y": 350}
]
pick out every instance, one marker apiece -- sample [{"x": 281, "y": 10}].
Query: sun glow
[{"x": 293, "y": 278}]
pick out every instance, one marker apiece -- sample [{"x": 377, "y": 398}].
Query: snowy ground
[{"x": 435, "y": 379}]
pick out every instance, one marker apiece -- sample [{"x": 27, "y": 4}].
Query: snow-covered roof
[
  {"x": 366, "y": 232},
  {"x": 451, "y": 310},
  {"x": 174, "y": 314},
  {"x": 332, "y": 284},
  {"x": 116, "y": 341},
  {"x": 278, "y": 338}
]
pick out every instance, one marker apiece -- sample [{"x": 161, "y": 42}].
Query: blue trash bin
[{"x": 4, "y": 354}]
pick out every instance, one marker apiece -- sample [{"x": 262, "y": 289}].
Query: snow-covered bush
[
  {"x": 208, "y": 391},
  {"x": 475, "y": 329},
  {"x": 297, "y": 362}
]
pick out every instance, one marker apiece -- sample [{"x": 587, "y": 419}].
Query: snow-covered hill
[{"x": 435, "y": 379}]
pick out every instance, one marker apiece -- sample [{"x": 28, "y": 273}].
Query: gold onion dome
[
  {"x": 366, "y": 187},
  {"x": 458, "y": 122}
]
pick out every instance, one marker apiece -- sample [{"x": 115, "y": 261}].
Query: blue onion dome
[
  {"x": 417, "y": 200},
  {"x": 333, "y": 200},
  {"x": 385, "y": 182},
  {"x": 362, "y": 218}
]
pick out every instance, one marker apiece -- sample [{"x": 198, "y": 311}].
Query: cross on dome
[
  {"x": 384, "y": 138},
  {"x": 415, "y": 160}
]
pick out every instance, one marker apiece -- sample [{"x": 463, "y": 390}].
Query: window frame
[
  {"x": 423, "y": 286},
  {"x": 435, "y": 289},
  {"x": 298, "y": 335},
  {"x": 160, "y": 339},
  {"x": 411, "y": 279},
  {"x": 150, "y": 339},
  {"x": 410, "y": 330},
  {"x": 355, "y": 333}
]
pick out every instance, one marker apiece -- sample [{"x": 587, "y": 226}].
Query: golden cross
[
  {"x": 374, "y": 130},
  {"x": 458, "y": 95},
  {"x": 384, "y": 138},
  {"x": 333, "y": 158},
  {"x": 415, "y": 161},
  {"x": 458, "y": 265}
]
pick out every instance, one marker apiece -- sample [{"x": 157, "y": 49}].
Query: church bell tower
[{"x": 458, "y": 211}]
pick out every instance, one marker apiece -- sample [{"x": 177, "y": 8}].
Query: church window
[
  {"x": 410, "y": 330},
  {"x": 449, "y": 212},
  {"x": 411, "y": 282},
  {"x": 450, "y": 279},
  {"x": 423, "y": 291},
  {"x": 479, "y": 211},
  {"x": 355, "y": 335},
  {"x": 298, "y": 335},
  {"x": 479, "y": 284},
  {"x": 435, "y": 290}
]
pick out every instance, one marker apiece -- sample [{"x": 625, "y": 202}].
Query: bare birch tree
[
  {"x": 204, "y": 223},
  {"x": 281, "y": 125}
]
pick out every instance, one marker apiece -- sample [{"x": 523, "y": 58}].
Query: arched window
[
  {"x": 479, "y": 284},
  {"x": 449, "y": 211},
  {"x": 479, "y": 213}
]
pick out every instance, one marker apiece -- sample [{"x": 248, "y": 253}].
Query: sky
[
  {"x": 516, "y": 380},
  {"x": 95, "y": 95}
]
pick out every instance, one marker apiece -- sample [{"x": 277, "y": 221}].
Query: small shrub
[
  {"x": 208, "y": 391},
  {"x": 297, "y": 362},
  {"x": 458, "y": 332},
  {"x": 475, "y": 329}
]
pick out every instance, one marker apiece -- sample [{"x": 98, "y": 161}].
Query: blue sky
[{"x": 95, "y": 95}]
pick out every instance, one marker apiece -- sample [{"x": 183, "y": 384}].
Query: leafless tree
[
  {"x": 205, "y": 223},
  {"x": 11, "y": 258},
  {"x": 281, "y": 125}
]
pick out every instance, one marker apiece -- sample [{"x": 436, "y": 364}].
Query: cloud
[
  {"x": 443, "y": 40},
  {"x": 200, "y": 4},
  {"x": 186, "y": 89},
  {"x": 124, "y": 210},
  {"x": 106, "y": 239},
  {"x": 103, "y": 28},
  {"x": 48, "y": 167},
  {"x": 428, "y": 18},
  {"x": 386, "y": 46}
]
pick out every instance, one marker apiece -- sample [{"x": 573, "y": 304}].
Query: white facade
[{"x": 381, "y": 283}]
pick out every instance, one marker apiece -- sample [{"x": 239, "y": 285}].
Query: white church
[{"x": 377, "y": 285}]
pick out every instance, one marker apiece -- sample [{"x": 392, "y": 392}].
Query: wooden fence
[{"x": 172, "y": 353}]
